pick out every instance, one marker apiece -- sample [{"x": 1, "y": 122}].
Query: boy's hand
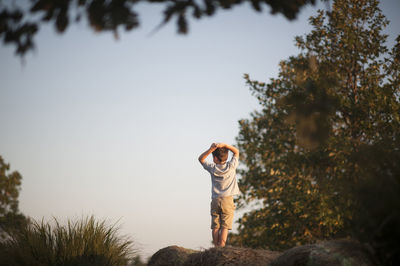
[
  {"x": 203, "y": 156},
  {"x": 220, "y": 145},
  {"x": 229, "y": 147},
  {"x": 214, "y": 146}
]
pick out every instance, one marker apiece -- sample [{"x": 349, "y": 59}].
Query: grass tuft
[{"x": 84, "y": 242}]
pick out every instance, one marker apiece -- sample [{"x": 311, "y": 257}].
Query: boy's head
[{"x": 221, "y": 154}]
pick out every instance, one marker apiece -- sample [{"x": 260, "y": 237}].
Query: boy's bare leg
[
  {"x": 215, "y": 236},
  {"x": 223, "y": 235}
]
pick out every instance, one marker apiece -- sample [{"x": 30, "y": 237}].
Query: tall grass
[{"x": 84, "y": 242}]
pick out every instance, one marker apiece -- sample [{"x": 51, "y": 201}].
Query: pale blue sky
[{"x": 114, "y": 128}]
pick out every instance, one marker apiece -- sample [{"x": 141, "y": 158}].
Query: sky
[{"x": 113, "y": 128}]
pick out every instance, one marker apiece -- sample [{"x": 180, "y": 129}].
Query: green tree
[
  {"x": 19, "y": 24},
  {"x": 303, "y": 151},
  {"x": 10, "y": 217},
  {"x": 377, "y": 219}
]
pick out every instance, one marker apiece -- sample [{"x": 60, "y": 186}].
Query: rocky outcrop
[
  {"x": 170, "y": 256},
  {"x": 232, "y": 256},
  {"x": 329, "y": 253}
]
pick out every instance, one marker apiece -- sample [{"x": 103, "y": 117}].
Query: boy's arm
[
  {"x": 229, "y": 147},
  {"x": 204, "y": 155}
]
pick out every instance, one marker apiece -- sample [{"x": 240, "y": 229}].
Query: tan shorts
[{"x": 222, "y": 210}]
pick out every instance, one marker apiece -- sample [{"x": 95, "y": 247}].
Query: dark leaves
[
  {"x": 288, "y": 8},
  {"x": 104, "y": 16},
  {"x": 182, "y": 24},
  {"x": 210, "y": 7},
  {"x": 62, "y": 21},
  {"x": 108, "y": 15},
  {"x": 256, "y": 5},
  {"x": 15, "y": 32}
]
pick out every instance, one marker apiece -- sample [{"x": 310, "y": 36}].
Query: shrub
[{"x": 84, "y": 242}]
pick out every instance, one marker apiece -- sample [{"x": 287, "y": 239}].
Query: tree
[
  {"x": 377, "y": 219},
  {"x": 19, "y": 26},
  {"x": 303, "y": 152},
  {"x": 10, "y": 217}
]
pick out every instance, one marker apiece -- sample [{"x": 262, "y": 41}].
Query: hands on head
[
  {"x": 213, "y": 146},
  {"x": 216, "y": 145}
]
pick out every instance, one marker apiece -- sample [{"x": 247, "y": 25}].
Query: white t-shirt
[{"x": 223, "y": 178}]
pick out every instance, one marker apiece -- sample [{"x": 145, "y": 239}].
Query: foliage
[
  {"x": 85, "y": 242},
  {"x": 18, "y": 26},
  {"x": 330, "y": 104},
  {"x": 10, "y": 218},
  {"x": 377, "y": 220}
]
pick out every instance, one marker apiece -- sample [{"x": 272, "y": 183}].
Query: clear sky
[{"x": 113, "y": 128}]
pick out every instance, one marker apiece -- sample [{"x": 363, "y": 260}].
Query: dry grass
[{"x": 85, "y": 242}]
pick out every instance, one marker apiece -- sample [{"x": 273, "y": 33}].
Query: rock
[
  {"x": 329, "y": 253},
  {"x": 178, "y": 256},
  {"x": 231, "y": 256},
  {"x": 170, "y": 256}
]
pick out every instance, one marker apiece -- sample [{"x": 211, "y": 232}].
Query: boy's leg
[
  {"x": 215, "y": 221},
  {"x": 223, "y": 235},
  {"x": 215, "y": 236},
  {"x": 228, "y": 209}
]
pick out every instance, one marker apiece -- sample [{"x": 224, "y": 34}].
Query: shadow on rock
[{"x": 331, "y": 253}]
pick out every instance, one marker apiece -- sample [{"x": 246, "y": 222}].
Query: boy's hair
[{"x": 221, "y": 154}]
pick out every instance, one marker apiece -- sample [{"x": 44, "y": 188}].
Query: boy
[{"x": 224, "y": 187}]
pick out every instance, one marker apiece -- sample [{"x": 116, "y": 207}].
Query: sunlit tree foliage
[{"x": 314, "y": 151}]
